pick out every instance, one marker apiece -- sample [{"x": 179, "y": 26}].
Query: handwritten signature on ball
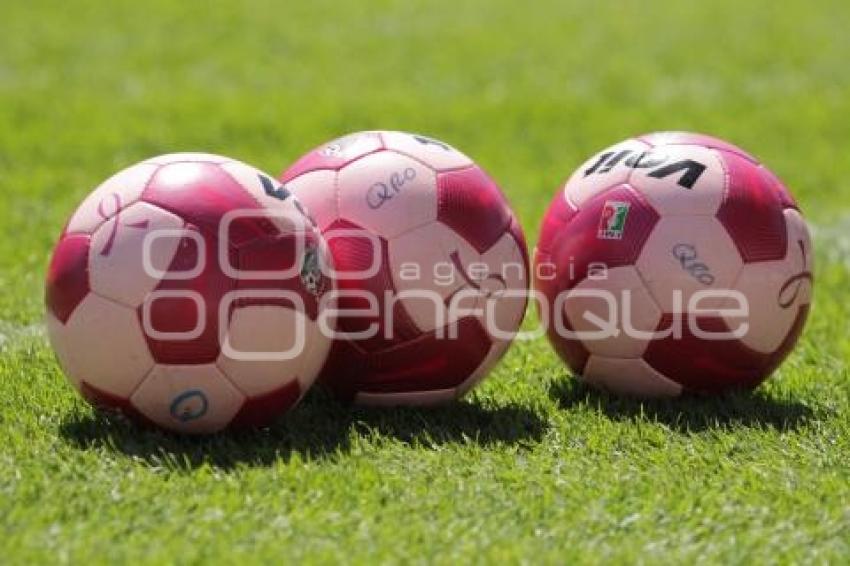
[{"x": 382, "y": 192}]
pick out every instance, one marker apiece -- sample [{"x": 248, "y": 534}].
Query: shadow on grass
[
  {"x": 318, "y": 428},
  {"x": 690, "y": 413}
]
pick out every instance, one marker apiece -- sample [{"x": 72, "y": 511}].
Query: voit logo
[{"x": 613, "y": 220}]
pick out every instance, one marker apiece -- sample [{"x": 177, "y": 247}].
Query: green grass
[{"x": 532, "y": 467}]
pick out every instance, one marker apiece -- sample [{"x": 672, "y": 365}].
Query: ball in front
[
  {"x": 432, "y": 265},
  {"x": 185, "y": 292},
  {"x": 673, "y": 262}
]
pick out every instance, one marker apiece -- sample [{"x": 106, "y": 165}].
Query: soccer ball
[
  {"x": 185, "y": 291},
  {"x": 673, "y": 262},
  {"x": 432, "y": 266}
]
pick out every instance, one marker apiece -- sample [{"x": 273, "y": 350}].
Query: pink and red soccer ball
[
  {"x": 427, "y": 205},
  {"x": 147, "y": 339},
  {"x": 674, "y": 212},
  {"x": 630, "y": 207}
]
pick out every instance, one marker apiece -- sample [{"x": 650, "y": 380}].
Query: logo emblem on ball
[{"x": 612, "y": 223}]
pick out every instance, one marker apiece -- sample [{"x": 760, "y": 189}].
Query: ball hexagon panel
[
  {"x": 335, "y": 154},
  {"x": 685, "y": 255},
  {"x": 119, "y": 265},
  {"x": 182, "y": 314},
  {"x": 437, "y": 155},
  {"x": 68, "y": 275},
  {"x": 190, "y": 399},
  {"x": 768, "y": 323},
  {"x": 679, "y": 179},
  {"x": 359, "y": 255},
  {"x": 317, "y": 191},
  {"x": 752, "y": 211},
  {"x": 428, "y": 265},
  {"x": 616, "y": 314},
  {"x": 604, "y": 170},
  {"x": 102, "y": 344},
  {"x": 202, "y": 194},
  {"x": 268, "y": 344},
  {"x": 776, "y": 290},
  {"x": 686, "y": 356},
  {"x": 121, "y": 190},
  {"x": 473, "y": 206},
  {"x": 387, "y": 193},
  {"x": 629, "y": 377}
]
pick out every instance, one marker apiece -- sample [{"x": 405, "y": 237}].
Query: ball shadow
[
  {"x": 319, "y": 428},
  {"x": 689, "y": 413}
]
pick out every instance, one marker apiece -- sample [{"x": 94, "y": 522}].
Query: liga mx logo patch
[{"x": 613, "y": 220}]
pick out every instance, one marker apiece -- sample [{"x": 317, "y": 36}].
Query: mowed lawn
[{"x": 532, "y": 466}]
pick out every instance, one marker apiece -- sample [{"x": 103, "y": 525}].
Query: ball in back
[
  {"x": 673, "y": 262},
  {"x": 437, "y": 261},
  {"x": 184, "y": 292}
]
